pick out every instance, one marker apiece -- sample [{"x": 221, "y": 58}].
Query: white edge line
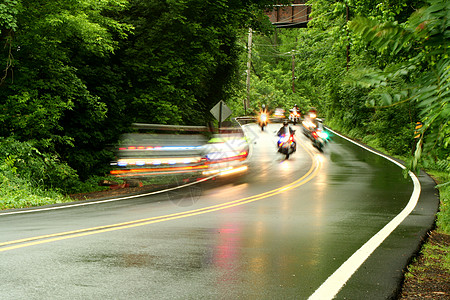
[
  {"x": 106, "y": 200},
  {"x": 334, "y": 283}
]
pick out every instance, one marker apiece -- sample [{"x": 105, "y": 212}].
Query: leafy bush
[
  {"x": 443, "y": 216},
  {"x": 31, "y": 178},
  {"x": 16, "y": 192},
  {"x": 23, "y": 164}
]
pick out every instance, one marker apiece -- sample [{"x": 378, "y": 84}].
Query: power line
[{"x": 290, "y": 24}]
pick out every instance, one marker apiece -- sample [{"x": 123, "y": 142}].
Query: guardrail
[{"x": 169, "y": 127}]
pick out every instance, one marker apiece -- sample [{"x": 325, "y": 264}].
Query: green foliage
[
  {"x": 18, "y": 193},
  {"x": 44, "y": 97},
  {"x": 8, "y": 12},
  {"x": 400, "y": 61},
  {"x": 180, "y": 56},
  {"x": 443, "y": 220},
  {"x": 440, "y": 170},
  {"x": 271, "y": 74},
  {"x": 378, "y": 110},
  {"x": 392, "y": 127},
  {"x": 77, "y": 73},
  {"x": 30, "y": 178},
  {"x": 39, "y": 169},
  {"x": 426, "y": 30}
]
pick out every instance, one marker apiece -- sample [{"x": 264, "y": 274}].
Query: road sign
[
  {"x": 417, "y": 134},
  {"x": 221, "y": 111}
]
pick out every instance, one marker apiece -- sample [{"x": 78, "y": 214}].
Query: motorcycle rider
[
  {"x": 263, "y": 117},
  {"x": 285, "y": 129},
  {"x": 296, "y": 108},
  {"x": 310, "y": 119},
  {"x": 294, "y": 114},
  {"x": 312, "y": 113},
  {"x": 263, "y": 109}
]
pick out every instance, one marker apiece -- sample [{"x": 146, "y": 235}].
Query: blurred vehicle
[
  {"x": 319, "y": 139},
  {"x": 279, "y": 114},
  {"x": 312, "y": 113},
  {"x": 225, "y": 154},
  {"x": 294, "y": 116},
  {"x": 182, "y": 155},
  {"x": 310, "y": 122},
  {"x": 318, "y": 135},
  {"x": 144, "y": 155},
  {"x": 308, "y": 127},
  {"x": 263, "y": 120},
  {"x": 286, "y": 144}
]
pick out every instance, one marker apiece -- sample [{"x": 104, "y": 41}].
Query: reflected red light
[
  {"x": 155, "y": 171},
  {"x": 227, "y": 251}
]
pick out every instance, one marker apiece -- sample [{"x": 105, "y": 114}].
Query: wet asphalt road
[{"x": 277, "y": 232}]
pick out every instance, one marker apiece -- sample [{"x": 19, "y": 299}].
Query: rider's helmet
[
  {"x": 285, "y": 123},
  {"x": 263, "y": 106}
]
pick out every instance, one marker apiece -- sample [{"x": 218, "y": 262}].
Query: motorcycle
[
  {"x": 317, "y": 135},
  {"x": 294, "y": 116},
  {"x": 308, "y": 127},
  {"x": 319, "y": 139},
  {"x": 263, "y": 120},
  {"x": 287, "y": 145}
]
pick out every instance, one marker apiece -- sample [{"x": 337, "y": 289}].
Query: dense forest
[
  {"x": 76, "y": 74},
  {"x": 373, "y": 70}
]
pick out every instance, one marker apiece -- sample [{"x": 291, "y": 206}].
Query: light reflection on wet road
[{"x": 281, "y": 247}]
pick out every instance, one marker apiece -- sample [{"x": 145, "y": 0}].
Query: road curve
[{"x": 279, "y": 231}]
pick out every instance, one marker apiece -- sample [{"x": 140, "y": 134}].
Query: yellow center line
[{"x": 15, "y": 244}]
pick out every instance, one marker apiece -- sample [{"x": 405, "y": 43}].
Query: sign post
[{"x": 220, "y": 111}]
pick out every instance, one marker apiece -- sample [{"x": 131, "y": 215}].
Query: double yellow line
[{"x": 16, "y": 244}]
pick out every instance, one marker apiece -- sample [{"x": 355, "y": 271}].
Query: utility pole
[
  {"x": 249, "y": 64},
  {"x": 276, "y": 43},
  {"x": 293, "y": 71},
  {"x": 348, "y": 39},
  {"x": 293, "y": 67}
]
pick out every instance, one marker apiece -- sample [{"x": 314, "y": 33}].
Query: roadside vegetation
[
  {"x": 76, "y": 74},
  {"x": 373, "y": 78},
  {"x": 427, "y": 275}
]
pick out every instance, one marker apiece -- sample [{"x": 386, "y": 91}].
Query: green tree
[
  {"x": 43, "y": 95},
  {"x": 321, "y": 76},
  {"x": 8, "y": 23},
  {"x": 182, "y": 58},
  {"x": 425, "y": 73},
  {"x": 78, "y": 73}
]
